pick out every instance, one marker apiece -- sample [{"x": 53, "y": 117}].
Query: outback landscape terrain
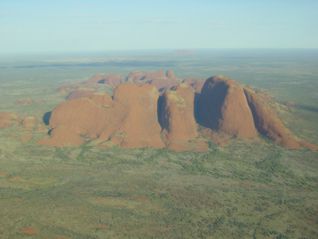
[{"x": 162, "y": 144}]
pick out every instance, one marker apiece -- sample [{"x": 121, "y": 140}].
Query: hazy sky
[{"x": 97, "y": 25}]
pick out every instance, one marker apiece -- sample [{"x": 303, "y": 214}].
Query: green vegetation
[{"x": 244, "y": 190}]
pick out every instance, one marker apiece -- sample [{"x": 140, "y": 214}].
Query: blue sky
[{"x": 101, "y": 25}]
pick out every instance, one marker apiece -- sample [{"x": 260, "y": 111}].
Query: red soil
[
  {"x": 29, "y": 231},
  {"x": 308, "y": 145}
]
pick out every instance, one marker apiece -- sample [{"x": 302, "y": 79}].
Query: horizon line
[{"x": 152, "y": 50}]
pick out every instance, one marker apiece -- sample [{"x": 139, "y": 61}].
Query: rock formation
[
  {"x": 63, "y": 136},
  {"x": 177, "y": 119},
  {"x": 142, "y": 76},
  {"x": 268, "y": 123},
  {"x": 139, "y": 127},
  {"x": 7, "y": 119},
  {"x": 24, "y": 126},
  {"x": 80, "y": 93},
  {"x": 196, "y": 84},
  {"x": 155, "y": 110},
  {"x": 159, "y": 79},
  {"x": 80, "y": 118},
  {"x": 29, "y": 122},
  {"x": 112, "y": 79},
  {"x": 130, "y": 120},
  {"x": 222, "y": 106}
]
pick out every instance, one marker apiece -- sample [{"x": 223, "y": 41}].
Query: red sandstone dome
[
  {"x": 222, "y": 106},
  {"x": 176, "y": 115},
  {"x": 130, "y": 120},
  {"x": 80, "y": 118},
  {"x": 139, "y": 127},
  {"x": 268, "y": 123}
]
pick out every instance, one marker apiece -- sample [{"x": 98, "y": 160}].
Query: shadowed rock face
[
  {"x": 177, "y": 119},
  {"x": 112, "y": 79},
  {"x": 222, "y": 106},
  {"x": 268, "y": 123}
]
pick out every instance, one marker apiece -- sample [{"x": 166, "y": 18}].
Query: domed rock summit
[{"x": 222, "y": 106}]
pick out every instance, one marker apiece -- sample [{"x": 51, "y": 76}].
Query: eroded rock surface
[
  {"x": 139, "y": 127},
  {"x": 177, "y": 119},
  {"x": 268, "y": 123}
]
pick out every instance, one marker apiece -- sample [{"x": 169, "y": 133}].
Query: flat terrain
[{"x": 244, "y": 190}]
